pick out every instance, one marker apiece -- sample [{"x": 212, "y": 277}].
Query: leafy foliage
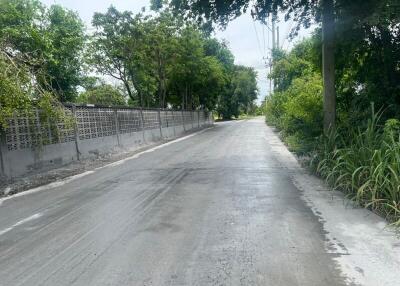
[
  {"x": 19, "y": 94},
  {"x": 103, "y": 94},
  {"x": 52, "y": 38},
  {"x": 165, "y": 61},
  {"x": 239, "y": 97},
  {"x": 161, "y": 61},
  {"x": 361, "y": 157},
  {"x": 296, "y": 105},
  {"x": 365, "y": 164}
]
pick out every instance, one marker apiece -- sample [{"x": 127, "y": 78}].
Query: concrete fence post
[
  {"x": 3, "y": 149},
  {"x": 159, "y": 122},
  {"x": 173, "y": 123},
  {"x": 117, "y": 126},
  {"x": 76, "y": 132},
  {"x": 183, "y": 121},
  {"x": 142, "y": 125},
  {"x": 198, "y": 118}
]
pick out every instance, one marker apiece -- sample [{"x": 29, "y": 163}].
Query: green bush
[
  {"x": 362, "y": 156},
  {"x": 297, "y": 112},
  {"x": 365, "y": 164},
  {"x": 274, "y": 108},
  {"x": 303, "y": 108},
  {"x": 104, "y": 94}
]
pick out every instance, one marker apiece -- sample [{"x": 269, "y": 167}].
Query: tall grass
[{"x": 365, "y": 164}]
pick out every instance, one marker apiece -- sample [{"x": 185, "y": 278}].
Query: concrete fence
[{"x": 29, "y": 144}]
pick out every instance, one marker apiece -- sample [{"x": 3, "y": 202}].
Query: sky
[{"x": 249, "y": 41}]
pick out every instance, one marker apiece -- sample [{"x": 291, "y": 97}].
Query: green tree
[
  {"x": 241, "y": 93},
  {"x": 302, "y": 11},
  {"x": 187, "y": 65},
  {"x": 62, "y": 68},
  {"x": 118, "y": 49},
  {"x": 297, "y": 103},
  {"x": 245, "y": 88},
  {"x": 19, "y": 94},
  {"x": 51, "y": 39},
  {"x": 163, "y": 42},
  {"x": 210, "y": 83},
  {"x": 103, "y": 94},
  {"x": 162, "y": 60}
]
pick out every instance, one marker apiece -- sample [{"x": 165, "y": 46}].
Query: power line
[
  {"x": 263, "y": 33},
  {"x": 287, "y": 34},
  {"x": 258, "y": 40}
]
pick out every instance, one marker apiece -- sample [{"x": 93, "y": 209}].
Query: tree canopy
[
  {"x": 103, "y": 94},
  {"x": 367, "y": 29},
  {"x": 164, "y": 60},
  {"x": 49, "y": 39},
  {"x": 155, "y": 60}
]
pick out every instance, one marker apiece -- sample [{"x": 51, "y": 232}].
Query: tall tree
[
  {"x": 302, "y": 11},
  {"x": 161, "y": 59},
  {"x": 186, "y": 69},
  {"x": 103, "y": 94},
  {"x": 63, "y": 60},
  {"x": 120, "y": 48},
  {"x": 52, "y": 38},
  {"x": 162, "y": 32}
]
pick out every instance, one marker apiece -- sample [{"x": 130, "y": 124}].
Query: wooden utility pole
[{"x": 328, "y": 64}]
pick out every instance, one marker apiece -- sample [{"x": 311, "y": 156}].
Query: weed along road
[{"x": 226, "y": 206}]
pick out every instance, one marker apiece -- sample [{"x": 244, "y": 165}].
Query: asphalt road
[{"x": 214, "y": 209}]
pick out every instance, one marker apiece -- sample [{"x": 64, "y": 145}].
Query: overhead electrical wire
[
  {"x": 286, "y": 39},
  {"x": 258, "y": 39}
]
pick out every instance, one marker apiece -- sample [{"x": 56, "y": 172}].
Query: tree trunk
[
  {"x": 328, "y": 64},
  {"x": 128, "y": 89}
]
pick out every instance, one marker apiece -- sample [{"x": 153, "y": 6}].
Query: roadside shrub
[
  {"x": 274, "y": 108},
  {"x": 303, "y": 109},
  {"x": 104, "y": 94},
  {"x": 365, "y": 164},
  {"x": 297, "y": 112}
]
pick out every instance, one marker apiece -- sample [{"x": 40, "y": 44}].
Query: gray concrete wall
[{"x": 18, "y": 161}]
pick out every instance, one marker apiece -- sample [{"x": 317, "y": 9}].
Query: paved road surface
[{"x": 214, "y": 209}]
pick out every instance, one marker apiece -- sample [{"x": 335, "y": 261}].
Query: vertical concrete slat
[
  {"x": 142, "y": 121},
  {"x": 17, "y": 137},
  {"x": 76, "y": 132},
  {"x": 159, "y": 122},
  {"x": 183, "y": 121},
  {"x": 173, "y": 123},
  {"x": 3, "y": 149},
  {"x": 117, "y": 127}
]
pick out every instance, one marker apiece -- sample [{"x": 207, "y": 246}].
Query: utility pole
[
  {"x": 270, "y": 80},
  {"x": 273, "y": 32},
  {"x": 328, "y": 64},
  {"x": 277, "y": 37},
  {"x": 275, "y": 45}
]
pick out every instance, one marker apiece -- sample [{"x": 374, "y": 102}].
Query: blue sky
[{"x": 248, "y": 41}]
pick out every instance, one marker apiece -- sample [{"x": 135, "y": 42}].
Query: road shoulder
[{"x": 366, "y": 249}]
